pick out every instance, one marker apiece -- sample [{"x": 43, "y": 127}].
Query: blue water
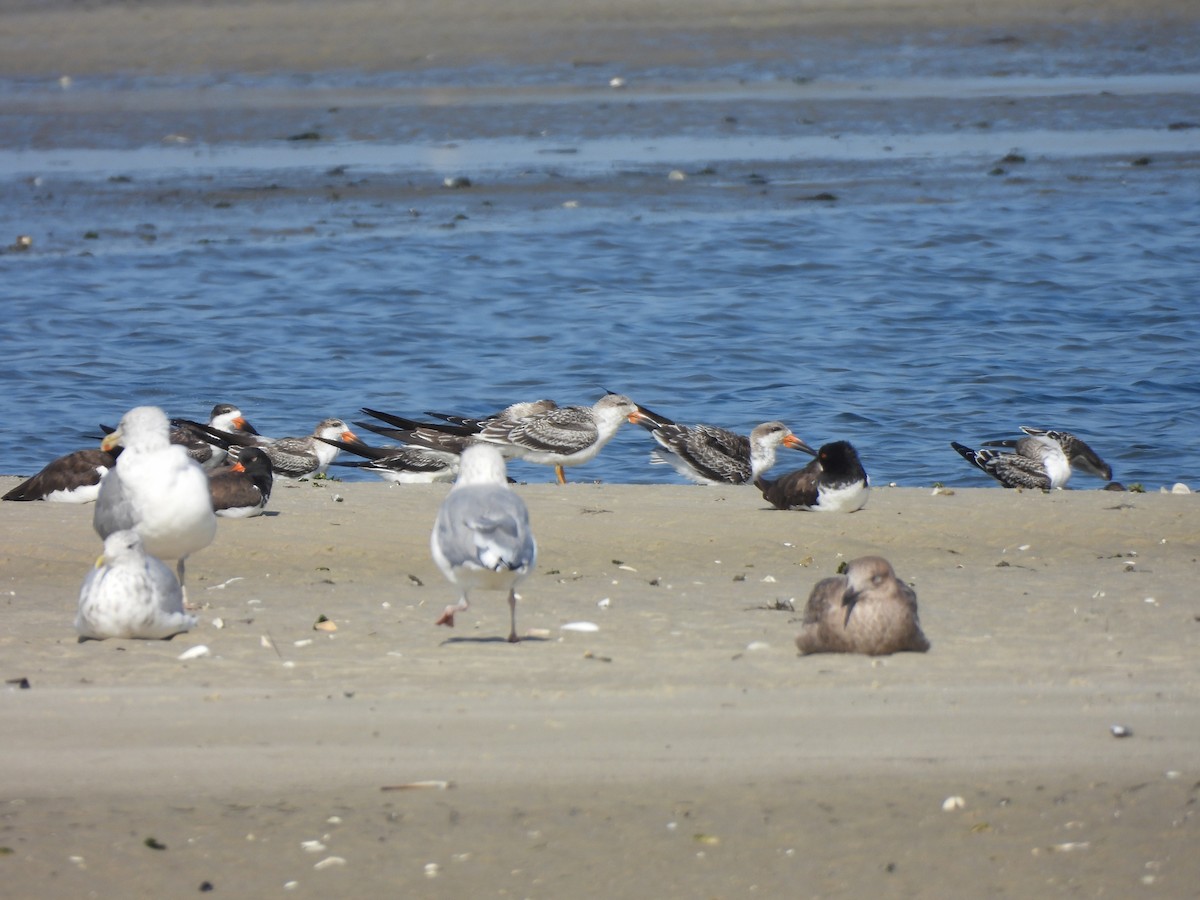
[{"x": 928, "y": 301}]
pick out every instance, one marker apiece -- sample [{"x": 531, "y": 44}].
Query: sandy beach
[{"x": 681, "y": 747}]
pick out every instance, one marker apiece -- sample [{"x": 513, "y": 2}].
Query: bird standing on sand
[
  {"x": 482, "y": 539},
  {"x": 155, "y": 490},
  {"x": 867, "y": 610},
  {"x": 130, "y": 594},
  {"x": 707, "y": 454},
  {"x": 1042, "y": 460},
  {"x": 564, "y": 436},
  {"x": 241, "y": 491},
  {"x": 833, "y": 482}
]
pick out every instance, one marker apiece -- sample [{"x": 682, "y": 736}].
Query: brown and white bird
[
  {"x": 72, "y": 478},
  {"x": 130, "y": 594},
  {"x": 707, "y": 454},
  {"x": 1042, "y": 460},
  {"x": 155, "y": 490},
  {"x": 241, "y": 491},
  {"x": 401, "y": 465},
  {"x": 833, "y": 482},
  {"x": 482, "y": 539},
  {"x": 867, "y": 610},
  {"x": 292, "y": 457},
  {"x": 564, "y": 436},
  {"x": 200, "y": 445}
]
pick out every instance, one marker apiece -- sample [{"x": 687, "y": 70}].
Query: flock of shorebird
[{"x": 159, "y": 485}]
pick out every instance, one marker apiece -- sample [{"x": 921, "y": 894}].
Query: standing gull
[
  {"x": 833, "y": 482},
  {"x": 155, "y": 490},
  {"x": 1041, "y": 460},
  {"x": 707, "y": 454},
  {"x": 130, "y": 594},
  {"x": 867, "y": 610},
  {"x": 482, "y": 539}
]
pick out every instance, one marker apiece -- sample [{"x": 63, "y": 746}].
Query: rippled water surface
[{"x": 900, "y": 298}]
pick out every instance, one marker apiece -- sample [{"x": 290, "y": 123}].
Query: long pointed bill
[
  {"x": 112, "y": 439},
  {"x": 796, "y": 444}
]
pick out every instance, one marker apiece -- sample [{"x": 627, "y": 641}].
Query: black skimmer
[
  {"x": 707, "y": 454},
  {"x": 73, "y": 478},
  {"x": 833, "y": 482},
  {"x": 293, "y": 457},
  {"x": 241, "y": 491},
  {"x": 1042, "y": 460}
]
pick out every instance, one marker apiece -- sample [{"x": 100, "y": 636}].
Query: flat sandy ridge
[
  {"x": 682, "y": 749},
  {"x": 55, "y": 38}
]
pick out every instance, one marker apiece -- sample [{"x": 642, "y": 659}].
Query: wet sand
[{"x": 683, "y": 749}]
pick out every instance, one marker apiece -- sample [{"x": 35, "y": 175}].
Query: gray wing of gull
[{"x": 485, "y": 527}]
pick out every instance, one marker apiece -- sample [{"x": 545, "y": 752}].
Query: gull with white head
[{"x": 482, "y": 539}]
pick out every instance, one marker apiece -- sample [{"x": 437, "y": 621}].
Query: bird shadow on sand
[{"x": 492, "y": 640}]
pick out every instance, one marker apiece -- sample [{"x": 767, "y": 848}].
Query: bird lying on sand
[
  {"x": 833, "y": 482},
  {"x": 130, "y": 594},
  {"x": 867, "y": 610},
  {"x": 707, "y": 454}
]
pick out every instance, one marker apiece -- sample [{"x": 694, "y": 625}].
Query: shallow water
[{"x": 898, "y": 283}]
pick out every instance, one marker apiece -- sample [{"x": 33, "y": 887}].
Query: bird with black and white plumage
[
  {"x": 707, "y": 454},
  {"x": 199, "y": 443},
  {"x": 400, "y": 465},
  {"x": 155, "y": 489},
  {"x": 292, "y": 457},
  {"x": 835, "y": 481},
  {"x": 71, "y": 478},
  {"x": 1043, "y": 460},
  {"x": 560, "y": 437},
  {"x": 482, "y": 539},
  {"x": 242, "y": 490},
  {"x": 867, "y": 609},
  {"x": 130, "y": 594}
]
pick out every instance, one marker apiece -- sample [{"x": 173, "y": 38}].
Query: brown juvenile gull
[
  {"x": 130, "y": 594},
  {"x": 707, "y": 454},
  {"x": 155, "y": 489},
  {"x": 867, "y": 610},
  {"x": 482, "y": 539},
  {"x": 833, "y": 482}
]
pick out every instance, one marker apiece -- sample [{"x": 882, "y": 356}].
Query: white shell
[{"x": 581, "y": 626}]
